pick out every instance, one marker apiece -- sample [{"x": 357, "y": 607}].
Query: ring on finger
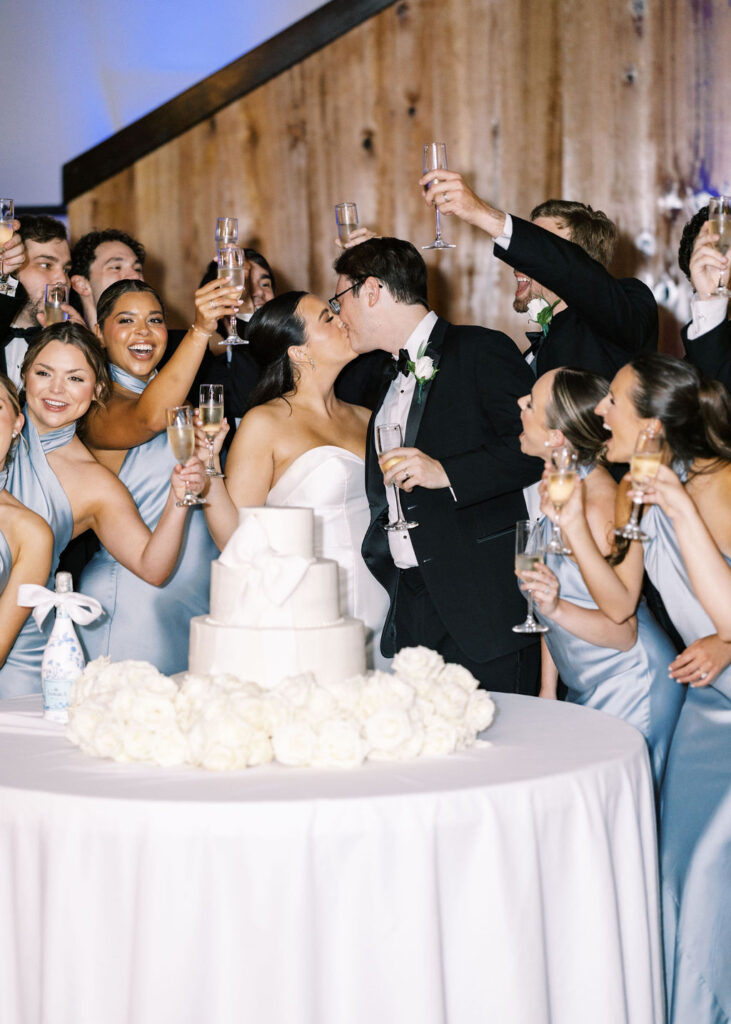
[{"x": 703, "y": 675}]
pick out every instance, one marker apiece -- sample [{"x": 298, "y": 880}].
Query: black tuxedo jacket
[
  {"x": 608, "y": 320},
  {"x": 10, "y": 306},
  {"x": 711, "y": 352},
  {"x": 468, "y": 419}
]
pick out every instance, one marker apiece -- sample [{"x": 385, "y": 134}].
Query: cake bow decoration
[
  {"x": 263, "y": 570},
  {"x": 80, "y": 608}
]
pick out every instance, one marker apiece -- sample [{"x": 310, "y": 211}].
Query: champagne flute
[
  {"x": 719, "y": 220},
  {"x": 231, "y": 264},
  {"x": 227, "y": 232},
  {"x": 528, "y": 555},
  {"x": 346, "y": 218},
  {"x": 388, "y": 437},
  {"x": 435, "y": 159},
  {"x": 181, "y": 438},
  {"x": 210, "y": 412},
  {"x": 643, "y": 466},
  {"x": 56, "y": 295},
  {"x": 561, "y": 483},
  {"x": 7, "y": 214}
]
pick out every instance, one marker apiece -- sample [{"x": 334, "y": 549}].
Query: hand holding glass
[
  {"x": 210, "y": 414},
  {"x": 231, "y": 264},
  {"x": 56, "y": 296},
  {"x": 528, "y": 555},
  {"x": 644, "y": 465},
  {"x": 561, "y": 482},
  {"x": 719, "y": 221},
  {"x": 435, "y": 159},
  {"x": 388, "y": 437},
  {"x": 181, "y": 438},
  {"x": 346, "y": 218},
  {"x": 7, "y": 213}
]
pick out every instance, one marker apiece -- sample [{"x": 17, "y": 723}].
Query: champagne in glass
[
  {"x": 227, "y": 232},
  {"x": 56, "y": 296},
  {"x": 435, "y": 159},
  {"x": 528, "y": 556},
  {"x": 561, "y": 482},
  {"x": 388, "y": 437},
  {"x": 346, "y": 218},
  {"x": 644, "y": 465},
  {"x": 232, "y": 264},
  {"x": 719, "y": 220},
  {"x": 7, "y": 213},
  {"x": 181, "y": 438},
  {"x": 210, "y": 414}
]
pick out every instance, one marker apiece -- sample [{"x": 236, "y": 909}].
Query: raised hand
[
  {"x": 189, "y": 478},
  {"x": 12, "y": 253},
  {"x": 213, "y": 301},
  {"x": 708, "y": 268}
]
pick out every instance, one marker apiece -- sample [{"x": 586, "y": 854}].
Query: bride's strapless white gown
[{"x": 331, "y": 481}]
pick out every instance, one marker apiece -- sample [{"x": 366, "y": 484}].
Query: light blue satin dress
[
  {"x": 632, "y": 685},
  {"x": 143, "y": 622},
  {"x": 32, "y": 481},
  {"x": 695, "y": 836},
  {"x": 6, "y": 562}
]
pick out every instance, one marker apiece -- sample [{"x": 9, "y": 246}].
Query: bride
[{"x": 299, "y": 445}]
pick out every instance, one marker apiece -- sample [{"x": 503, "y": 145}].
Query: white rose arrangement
[{"x": 128, "y": 711}]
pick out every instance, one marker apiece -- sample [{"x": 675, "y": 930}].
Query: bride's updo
[{"x": 273, "y": 330}]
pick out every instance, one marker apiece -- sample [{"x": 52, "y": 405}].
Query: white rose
[
  {"x": 339, "y": 744},
  {"x": 440, "y": 737},
  {"x": 139, "y": 742},
  {"x": 449, "y": 699},
  {"x": 424, "y": 368},
  {"x": 383, "y": 691},
  {"x": 260, "y": 749},
  {"x": 296, "y": 689},
  {"x": 480, "y": 711},
  {"x": 108, "y": 741},
  {"x": 320, "y": 706},
  {"x": 152, "y": 709},
  {"x": 294, "y": 743},
  {"x": 387, "y": 729},
  {"x": 534, "y": 308},
  {"x": 83, "y": 723},
  {"x": 347, "y": 693},
  {"x": 454, "y": 673},
  {"x": 407, "y": 750},
  {"x": 417, "y": 663}
]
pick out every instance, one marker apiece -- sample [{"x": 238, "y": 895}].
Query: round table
[{"x": 511, "y": 883}]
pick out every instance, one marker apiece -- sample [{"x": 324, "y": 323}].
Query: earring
[
  {"x": 312, "y": 363},
  {"x": 546, "y": 444},
  {"x": 15, "y": 434}
]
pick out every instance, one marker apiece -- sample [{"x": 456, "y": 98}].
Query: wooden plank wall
[{"x": 614, "y": 102}]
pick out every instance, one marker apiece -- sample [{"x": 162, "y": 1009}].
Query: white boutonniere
[
  {"x": 423, "y": 370},
  {"x": 540, "y": 312}
]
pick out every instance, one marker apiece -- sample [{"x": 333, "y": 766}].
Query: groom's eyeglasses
[{"x": 333, "y": 302}]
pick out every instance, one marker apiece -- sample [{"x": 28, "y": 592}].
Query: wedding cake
[{"x": 274, "y": 606}]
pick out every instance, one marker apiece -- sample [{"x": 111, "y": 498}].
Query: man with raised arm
[
  {"x": 588, "y": 318},
  {"x": 707, "y": 338}
]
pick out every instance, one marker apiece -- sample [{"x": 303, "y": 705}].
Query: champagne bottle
[{"x": 63, "y": 658}]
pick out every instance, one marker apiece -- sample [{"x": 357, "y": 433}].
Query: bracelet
[{"x": 199, "y": 330}]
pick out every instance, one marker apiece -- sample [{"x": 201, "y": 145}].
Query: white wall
[{"x": 74, "y": 72}]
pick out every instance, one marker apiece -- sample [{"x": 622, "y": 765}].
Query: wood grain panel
[{"x": 609, "y": 102}]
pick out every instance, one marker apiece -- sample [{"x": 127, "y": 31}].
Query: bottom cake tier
[{"x": 266, "y": 656}]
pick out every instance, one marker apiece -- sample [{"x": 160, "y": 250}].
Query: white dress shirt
[
  {"x": 14, "y": 355},
  {"x": 707, "y": 314},
  {"x": 395, "y": 409}
]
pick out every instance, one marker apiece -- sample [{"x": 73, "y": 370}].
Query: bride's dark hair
[
  {"x": 695, "y": 412},
  {"x": 273, "y": 329},
  {"x": 574, "y": 396}
]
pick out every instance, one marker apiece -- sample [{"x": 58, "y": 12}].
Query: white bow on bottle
[{"x": 81, "y": 609}]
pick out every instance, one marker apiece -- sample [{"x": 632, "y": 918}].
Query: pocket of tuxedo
[{"x": 494, "y": 536}]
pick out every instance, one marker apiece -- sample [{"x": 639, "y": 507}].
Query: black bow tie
[
  {"x": 29, "y": 333},
  {"x": 396, "y": 366}
]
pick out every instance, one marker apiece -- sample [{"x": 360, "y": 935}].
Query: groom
[{"x": 461, "y": 474}]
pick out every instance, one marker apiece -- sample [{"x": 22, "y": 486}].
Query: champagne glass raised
[
  {"x": 55, "y": 297},
  {"x": 561, "y": 482},
  {"x": 719, "y": 221},
  {"x": 232, "y": 264},
  {"x": 181, "y": 438},
  {"x": 388, "y": 437},
  {"x": 435, "y": 159},
  {"x": 227, "y": 232},
  {"x": 210, "y": 413},
  {"x": 528, "y": 555},
  {"x": 7, "y": 214},
  {"x": 346, "y": 218},
  {"x": 644, "y": 464}
]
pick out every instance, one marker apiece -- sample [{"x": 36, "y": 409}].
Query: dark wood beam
[{"x": 203, "y": 100}]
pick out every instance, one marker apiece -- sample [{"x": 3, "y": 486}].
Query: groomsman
[
  {"x": 598, "y": 322},
  {"x": 461, "y": 473},
  {"x": 100, "y": 258}
]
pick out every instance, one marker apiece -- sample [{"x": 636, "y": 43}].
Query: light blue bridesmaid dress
[
  {"x": 143, "y": 622},
  {"x": 32, "y": 481},
  {"x": 632, "y": 685},
  {"x": 6, "y": 562},
  {"x": 695, "y": 835}
]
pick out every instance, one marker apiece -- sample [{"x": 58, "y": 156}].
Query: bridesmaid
[
  {"x": 56, "y": 476},
  {"x": 26, "y": 541},
  {"x": 128, "y": 436},
  {"x": 620, "y": 668},
  {"x": 658, "y": 391}
]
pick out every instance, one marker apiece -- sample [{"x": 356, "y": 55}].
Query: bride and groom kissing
[{"x": 447, "y": 584}]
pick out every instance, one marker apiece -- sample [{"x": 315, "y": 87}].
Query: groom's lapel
[{"x": 434, "y": 350}]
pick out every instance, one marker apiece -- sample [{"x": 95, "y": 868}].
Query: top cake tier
[{"x": 290, "y": 531}]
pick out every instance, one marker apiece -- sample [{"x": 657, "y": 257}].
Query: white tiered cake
[{"x": 274, "y": 607}]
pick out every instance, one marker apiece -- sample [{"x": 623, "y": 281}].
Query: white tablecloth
[{"x": 513, "y": 885}]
